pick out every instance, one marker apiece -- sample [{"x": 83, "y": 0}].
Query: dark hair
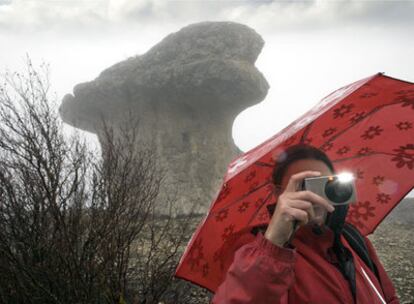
[{"x": 294, "y": 153}]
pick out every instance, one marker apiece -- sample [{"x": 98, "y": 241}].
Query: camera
[{"x": 336, "y": 189}]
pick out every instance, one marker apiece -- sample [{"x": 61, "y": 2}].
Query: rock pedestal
[{"x": 186, "y": 92}]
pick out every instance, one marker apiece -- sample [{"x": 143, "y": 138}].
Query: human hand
[{"x": 294, "y": 205}]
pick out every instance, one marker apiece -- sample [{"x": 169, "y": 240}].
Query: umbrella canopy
[{"x": 366, "y": 128}]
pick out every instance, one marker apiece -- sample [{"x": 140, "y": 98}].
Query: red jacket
[{"x": 262, "y": 272}]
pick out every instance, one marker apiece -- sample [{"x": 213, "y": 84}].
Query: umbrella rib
[
  {"x": 242, "y": 197},
  {"x": 376, "y": 109},
  {"x": 258, "y": 208},
  {"x": 306, "y": 132},
  {"x": 263, "y": 164}
]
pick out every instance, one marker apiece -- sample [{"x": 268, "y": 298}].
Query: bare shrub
[{"x": 76, "y": 227}]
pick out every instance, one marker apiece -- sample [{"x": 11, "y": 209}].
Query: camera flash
[{"x": 345, "y": 177}]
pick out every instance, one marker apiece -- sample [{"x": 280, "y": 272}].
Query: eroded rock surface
[{"x": 186, "y": 92}]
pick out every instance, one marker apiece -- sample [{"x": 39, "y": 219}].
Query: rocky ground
[{"x": 394, "y": 242}]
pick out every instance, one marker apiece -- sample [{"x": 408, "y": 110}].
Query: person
[{"x": 318, "y": 265}]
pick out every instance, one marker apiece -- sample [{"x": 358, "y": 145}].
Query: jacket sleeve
[
  {"x": 261, "y": 272},
  {"x": 386, "y": 283}
]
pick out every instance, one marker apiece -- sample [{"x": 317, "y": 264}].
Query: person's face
[{"x": 308, "y": 165}]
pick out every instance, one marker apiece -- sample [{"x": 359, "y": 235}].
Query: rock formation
[{"x": 186, "y": 92}]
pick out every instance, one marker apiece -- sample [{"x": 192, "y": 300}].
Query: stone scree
[{"x": 186, "y": 92}]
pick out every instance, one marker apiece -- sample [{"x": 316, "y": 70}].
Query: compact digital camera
[{"x": 336, "y": 189}]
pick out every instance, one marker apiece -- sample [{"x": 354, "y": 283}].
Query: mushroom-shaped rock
[{"x": 186, "y": 92}]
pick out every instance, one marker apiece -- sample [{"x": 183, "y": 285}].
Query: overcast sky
[{"x": 311, "y": 47}]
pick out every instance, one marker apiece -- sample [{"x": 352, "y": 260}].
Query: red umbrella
[{"x": 366, "y": 128}]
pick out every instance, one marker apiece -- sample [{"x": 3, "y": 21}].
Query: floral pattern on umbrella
[{"x": 365, "y": 128}]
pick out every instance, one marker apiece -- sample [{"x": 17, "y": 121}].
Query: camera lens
[{"x": 338, "y": 192}]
